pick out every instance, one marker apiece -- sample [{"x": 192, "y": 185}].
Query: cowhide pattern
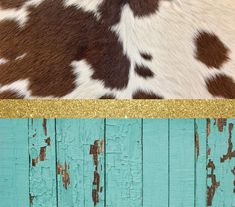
[{"x": 117, "y": 49}]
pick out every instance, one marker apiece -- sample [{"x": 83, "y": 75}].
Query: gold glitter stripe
[{"x": 117, "y": 108}]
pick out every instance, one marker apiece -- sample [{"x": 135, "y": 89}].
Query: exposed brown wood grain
[
  {"x": 208, "y": 127},
  {"x": 230, "y": 153},
  {"x": 44, "y": 125},
  {"x": 31, "y": 197},
  {"x": 48, "y": 141},
  {"x": 214, "y": 183},
  {"x": 41, "y": 157},
  {"x": 233, "y": 172},
  {"x": 96, "y": 149},
  {"x": 196, "y": 139},
  {"x": 208, "y": 152},
  {"x": 221, "y": 123},
  {"x": 63, "y": 170}
]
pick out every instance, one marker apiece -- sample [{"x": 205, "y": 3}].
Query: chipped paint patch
[
  {"x": 230, "y": 153},
  {"x": 208, "y": 153},
  {"x": 44, "y": 125},
  {"x": 221, "y": 123},
  {"x": 208, "y": 127},
  {"x": 96, "y": 149},
  {"x": 233, "y": 172},
  {"x": 31, "y": 197},
  {"x": 197, "y": 144},
  {"x": 41, "y": 157},
  {"x": 48, "y": 141},
  {"x": 214, "y": 183},
  {"x": 63, "y": 170},
  {"x": 42, "y": 154}
]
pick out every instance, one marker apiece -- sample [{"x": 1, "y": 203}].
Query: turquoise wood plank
[
  {"x": 181, "y": 163},
  {"x": 155, "y": 163},
  {"x": 220, "y": 164},
  {"x": 123, "y": 163},
  {"x": 80, "y": 162},
  {"x": 201, "y": 133},
  {"x": 14, "y": 168},
  {"x": 42, "y": 162}
]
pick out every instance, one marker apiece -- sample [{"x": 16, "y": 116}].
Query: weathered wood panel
[
  {"x": 123, "y": 163},
  {"x": 150, "y": 162},
  {"x": 42, "y": 153},
  {"x": 182, "y": 163},
  {"x": 14, "y": 159},
  {"x": 201, "y": 133},
  {"x": 155, "y": 162},
  {"x": 220, "y": 163},
  {"x": 80, "y": 162}
]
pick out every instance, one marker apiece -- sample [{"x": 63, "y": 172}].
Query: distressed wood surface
[
  {"x": 80, "y": 162},
  {"x": 117, "y": 162},
  {"x": 200, "y": 135},
  {"x": 220, "y": 163},
  {"x": 123, "y": 162},
  {"x": 42, "y": 155}
]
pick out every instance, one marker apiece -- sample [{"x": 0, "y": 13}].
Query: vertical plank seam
[
  {"x": 195, "y": 163},
  {"x": 56, "y": 177},
  {"x": 29, "y": 160},
  {"x": 169, "y": 163},
  {"x": 142, "y": 161},
  {"x": 105, "y": 143},
  {"x": 83, "y": 163},
  {"x": 206, "y": 167}
]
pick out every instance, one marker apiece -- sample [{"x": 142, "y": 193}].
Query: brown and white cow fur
[{"x": 123, "y": 49}]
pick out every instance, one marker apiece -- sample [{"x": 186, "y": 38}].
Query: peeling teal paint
[{"x": 117, "y": 162}]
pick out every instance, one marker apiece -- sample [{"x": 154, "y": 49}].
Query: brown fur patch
[
  {"x": 111, "y": 9},
  {"x": 144, "y": 8},
  {"x": 145, "y": 95},
  {"x": 210, "y": 50},
  {"x": 221, "y": 86},
  {"x": 107, "y": 96},
  {"x": 143, "y": 71},
  {"x": 11, "y": 3},
  {"x": 146, "y": 56},
  {"x": 10, "y": 95},
  {"x": 51, "y": 44}
]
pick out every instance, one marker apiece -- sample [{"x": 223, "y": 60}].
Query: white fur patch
[
  {"x": 21, "y": 87},
  {"x": 86, "y": 5},
  {"x": 168, "y": 36}
]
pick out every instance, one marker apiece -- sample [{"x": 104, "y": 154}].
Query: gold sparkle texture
[{"x": 117, "y": 108}]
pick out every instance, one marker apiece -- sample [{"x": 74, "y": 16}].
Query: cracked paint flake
[
  {"x": 31, "y": 197},
  {"x": 196, "y": 137},
  {"x": 41, "y": 157},
  {"x": 221, "y": 123},
  {"x": 214, "y": 183},
  {"x": 63, "y": 170},
  {"x": 48, "y": 141},
  {"x": 96, "y": 149},
  {"x": 230, "y": 153},
  {"x": 208, "y": 153},
  {"x": 233, "y": 172},
  {"x": 208, "y": 127},
  {"x": 44, "y": 125}
]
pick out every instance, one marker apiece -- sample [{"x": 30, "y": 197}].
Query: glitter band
[{"x": 117, "y": 108}]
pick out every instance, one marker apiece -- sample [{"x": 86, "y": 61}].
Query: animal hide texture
[{"x": 117, "y": 49}]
